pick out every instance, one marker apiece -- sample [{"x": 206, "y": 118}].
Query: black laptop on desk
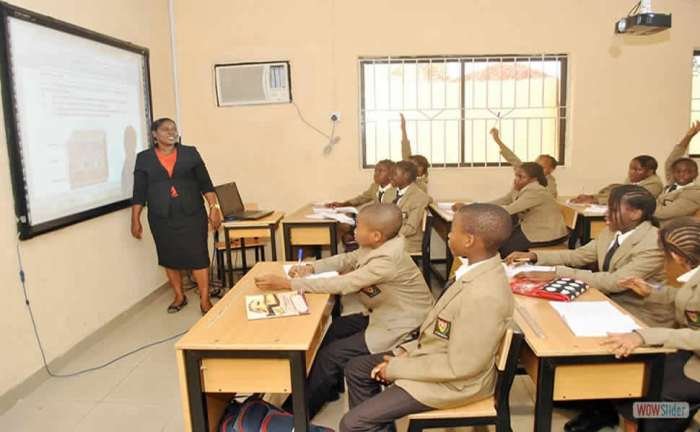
[{"x": 232, "y": 205}]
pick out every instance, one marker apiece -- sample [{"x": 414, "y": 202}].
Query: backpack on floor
[{"x": 256, "y": 415}]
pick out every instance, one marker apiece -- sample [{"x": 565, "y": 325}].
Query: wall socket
[{"x": 335, "y": 116}]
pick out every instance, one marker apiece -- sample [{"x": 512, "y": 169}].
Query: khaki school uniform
[
  {"x": 538, "y": 212},
  {"x": 453, "y": 359},
  {"x": 638, "y": 255},
  {"x": 652, "y": 183},
  {"x": 422, "y": 183},
  {"x": 387, "y": 283},
  {"x": 371, "y": 195},
  {"x": 683, "y": 200},
  {"x": 412, "y": 203},
  {"x": 515, "y": 161}
]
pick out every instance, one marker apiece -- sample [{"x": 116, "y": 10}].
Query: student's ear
[
  {"x": 679, "y": 259},
  {"x": 377, "y": 236},
  {"x": 468, "y": 241},
  {"x": 636, "y": 215}
]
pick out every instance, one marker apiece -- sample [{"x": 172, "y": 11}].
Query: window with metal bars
[
  {"x": 451, "y": 103},
  {"x": 695, "y": 102}
]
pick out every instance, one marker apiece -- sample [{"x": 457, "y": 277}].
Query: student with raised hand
[
  {"x": 681, "y": 197},
  {"x": 547, "y": 162},
  {"x": 450, "y": 361},
  {"x": 383, "y": 277},
  {"x": 641, "y": 172},
  {"x": 380, "y": 191},
  {"x": 539, "y": 220},
  {"x": 680, "y": 242},
  {"x": 628, "y": 247},
  {"x": 421, "y": 161},
  {"x": 412, "y": 201}
]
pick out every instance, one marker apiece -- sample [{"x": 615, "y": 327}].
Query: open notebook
[
  {"x": 594, "y": 318},
  {"x": 275, "y": 305}
]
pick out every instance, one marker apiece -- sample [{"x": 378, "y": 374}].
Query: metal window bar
[{"x": 506, "y": 111}]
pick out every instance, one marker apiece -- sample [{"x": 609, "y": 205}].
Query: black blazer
[{"x": 152, "y": 183}]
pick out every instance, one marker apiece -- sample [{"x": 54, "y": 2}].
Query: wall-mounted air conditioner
[{"x": 253, "y": 83}]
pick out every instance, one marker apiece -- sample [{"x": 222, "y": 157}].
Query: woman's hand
[
  {"x": 272, "y": 282},
  {"x": 215, "y": 218},
  {"x": 300, "y": 271},
  {"x": 636, "y": 284},
  {"x": 622, "y": 344},
  {"x": 136, "y": 229},
  {"x": 520, "y": 257}
]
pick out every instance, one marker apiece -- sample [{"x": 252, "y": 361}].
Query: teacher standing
[{"x": 170, "y": 179}]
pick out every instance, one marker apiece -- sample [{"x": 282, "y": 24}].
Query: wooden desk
[
  {"x": 565, "y": 367},
  {"x": 588, "y": 224},
  {"x": 298, "y": 230},
  {"x": 243, "y": 229},
  {"x": 224, "y": 353},
  {"x": 440, "y": 221}
]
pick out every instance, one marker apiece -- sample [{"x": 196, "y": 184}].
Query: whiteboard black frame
[{"x": 25, "y": 229}]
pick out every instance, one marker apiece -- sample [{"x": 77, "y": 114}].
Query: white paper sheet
[
  {"x": 594, "y": 318},
  {"x": 323, "y": 275}
]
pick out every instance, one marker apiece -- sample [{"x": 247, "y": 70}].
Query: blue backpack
[{"x": 256, "y": 415}]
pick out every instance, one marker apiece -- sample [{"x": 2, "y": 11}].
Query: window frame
[{"x": 696, "y": 53}]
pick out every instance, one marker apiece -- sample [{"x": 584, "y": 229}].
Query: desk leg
[
  {"x": 197, "y": 399},
  {"x": 244, "y": 260},
  {"x": 655, "y": 377},
  {"x": 545, "y": 394},
  {"x": 287, "y": 238},
  {"x": 334, "y": 239},
  {"x": 586, "y": 231},
  {"x": 299, "y": 390},
  {"x": 273, "y": 243},
  {"x": 229, "y": 261}
]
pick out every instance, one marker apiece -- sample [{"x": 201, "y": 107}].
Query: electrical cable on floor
[{"x": 51, "y": 373}]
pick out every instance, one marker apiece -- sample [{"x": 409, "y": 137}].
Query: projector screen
[{"x": 77, "y": 110}]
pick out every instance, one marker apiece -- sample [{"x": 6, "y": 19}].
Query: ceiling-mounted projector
[{"x": 641, "y": 20}]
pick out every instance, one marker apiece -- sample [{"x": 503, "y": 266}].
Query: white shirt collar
[
  {"x": 679, "y": 187},
  {"x": 384, "y": 188},
  {"x": 685, "y": 277},
  {"x": 622, "y": 237},
  {"x": 466, "y": 267},
  {"x": 403, "y": 191}
]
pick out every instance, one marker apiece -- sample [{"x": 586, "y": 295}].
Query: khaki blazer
[
  {"x": 413, "y": 205},
  {"x": 371, "y": 195},
  {"x": 639, "y": 255},
  {"x": 422, "y": 183},
  {"x": 537, "y": 211},
  {"x": 453, "y": 359},
  {"x": 514, "y": 160},
  {"x": 652, "y": 183},
  {"x": 687, "y": 337},
  {"x": 388, "y": 284},
  {"x": 681, "y": 202}
]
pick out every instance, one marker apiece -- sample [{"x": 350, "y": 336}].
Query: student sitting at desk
[
  {"x": 421, "y": 161},
  {"x": 642, "y": 172},
  {"x": 628, "y": 247},
  {"x": 539, "y": 220},
  {"x": 450, "y": 361},
  {"x": 682, "y": 195},
  {"x": 680, "y": 241},
  {"x": 386, "y": 281},
  {"x": 412, "y": 201},
  {"x": 547, "y": 162},
  {"x": 379, "y": 191}
]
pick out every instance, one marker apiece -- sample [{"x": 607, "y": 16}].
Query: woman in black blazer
[{"x": 170, "y": 179}]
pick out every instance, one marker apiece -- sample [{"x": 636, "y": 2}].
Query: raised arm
[
  {"x": 405, "y": 142},
  {"x": 680, "y": 150},
  {"x": 506, "y": 152}
]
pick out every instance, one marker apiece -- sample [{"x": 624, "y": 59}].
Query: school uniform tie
[
  {"x": 380, "y": 195},
  {"x": 672, "y": 188},
  {"x": 611, "y": 252},
  {"x": 397, "y": 198}
]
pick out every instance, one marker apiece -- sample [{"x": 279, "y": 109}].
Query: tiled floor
[{"x": 140, "y": 393}]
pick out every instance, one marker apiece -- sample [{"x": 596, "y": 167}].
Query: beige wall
[
  {"x": 82, "y": 276},
  {"x": 627, "y": 96}
]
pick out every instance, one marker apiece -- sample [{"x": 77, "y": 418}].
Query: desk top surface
[
  {"x": 557, "y": 339},
  {"x": 226, "y": 327},
  {"x": 581, "y": 209},
  {"x": 299, "y": 217},
  {"x": 271, "y": 219}
]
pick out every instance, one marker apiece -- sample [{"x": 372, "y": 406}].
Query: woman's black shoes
[{"x": 174, "y": 308}]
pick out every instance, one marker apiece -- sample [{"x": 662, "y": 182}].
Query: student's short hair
[
  {"x": 409, "y": 168},
  {"x": 647, "y": 162},
  {"x": 534, "y": 170},
  {"x": 682, "y": 237},
  {"x": 385, "y": 218},
  {"x": 550, "y": 159},
  {"x": 421, "y": 161},
  {"x": 635, "y": 197},
  {"x": 685, "y": 160},
  {"x": 489, "y": 222},
  {"x": 388, "y": 162}
]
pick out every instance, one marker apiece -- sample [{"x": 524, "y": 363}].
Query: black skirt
[{"x": 181, "y": 239}]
